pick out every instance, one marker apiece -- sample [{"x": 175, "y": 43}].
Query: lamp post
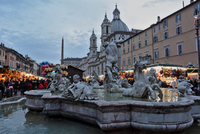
[{"x": 196, "y": 23}]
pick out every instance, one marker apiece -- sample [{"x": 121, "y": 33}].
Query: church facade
[{"x": 114, "y": 31}]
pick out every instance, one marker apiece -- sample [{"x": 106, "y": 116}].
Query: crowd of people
[{"x": 20, "y": 85}]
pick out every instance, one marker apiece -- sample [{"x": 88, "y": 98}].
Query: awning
[{"x": 166, "y": 65}]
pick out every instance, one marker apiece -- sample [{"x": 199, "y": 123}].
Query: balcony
[{"x": 145, "y": 59}]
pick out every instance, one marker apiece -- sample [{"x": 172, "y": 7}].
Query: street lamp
[{"x": 196, "y": 23}]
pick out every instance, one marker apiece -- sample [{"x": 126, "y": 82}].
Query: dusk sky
[{"x": 36, "y": 27}]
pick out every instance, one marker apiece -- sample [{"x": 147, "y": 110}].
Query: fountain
[{"x": 141, "y": 110}]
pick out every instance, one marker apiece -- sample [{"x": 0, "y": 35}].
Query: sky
[{"x": 36, "y": 27}]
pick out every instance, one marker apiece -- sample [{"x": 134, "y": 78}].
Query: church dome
[{"x": 117, "y": 24}]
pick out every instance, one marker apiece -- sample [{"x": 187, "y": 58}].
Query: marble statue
[
  {"x": 144, "y": 85},
  {"x": 112, "y": 80},
  {"x": 184, "y": 86},
  {"x": 79, "y": 91},
  {"x": 59, "y": 84}
]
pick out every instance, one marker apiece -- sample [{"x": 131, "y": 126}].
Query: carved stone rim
[
  {"x": 37, "y": 92},
  {"x": 102, "y": 103}
]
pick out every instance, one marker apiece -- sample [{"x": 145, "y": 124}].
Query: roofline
[
  {"x": 193, "y": 3},
  {"x": 75, "y": 67}
]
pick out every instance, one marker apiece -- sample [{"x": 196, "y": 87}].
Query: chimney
[
  {"x": 183, "y": 4},
  {"x": 158, "y": 19},
  {"x": 191, "y": 1}
]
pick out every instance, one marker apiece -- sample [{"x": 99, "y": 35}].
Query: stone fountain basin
[
  {"x": 34, "y": 99},
  {"x": 116, "y": 115}
]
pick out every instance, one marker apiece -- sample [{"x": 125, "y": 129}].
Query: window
[
  {"x": 134, "y": 59},
  {"x": 139, "y": 36},
  {"x": 123, "y": 45},
  {"x": 124, "y": 51},
  {"x": 139, "y": 45},
  {"x": 0, "y": 52},
  {"x": 180, "y": 48},
  {"x": 178, "y": 30},
  {"x": 139, "y": 56},
  {"x": 106, "y": 29},
  {"x": 158, "y": 27},
  {"x": 133, "y": 39},
  {"x": 165, "y": 24},
  {"x": 155, "y": 54},
  {"x": 133, "y": 48},
  {"x": 146, "y": 53},
  {"x": 178, "y": 17},
  {"x": 166, "y": 51},
  {"x": 154, "y": 29},
  {"x": 128, "y": 49},
  {"x": 124, "y": 62},
  {"x": 128, "y": 42},
  {"x": 165, "y": 34},
  {"x": 145, "y": 33},
  {"x": 155, "y": 39},
  {"x": 129, "y": 61},
  {"x": 5, "y": 56},
  {"x": 146, "y": 42},
  {"x": 197, "y": 8},
  {"x": 93, "y": 41}
]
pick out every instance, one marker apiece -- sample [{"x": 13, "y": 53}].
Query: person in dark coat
[
  {"x": 26, "y": 86},
  {"x": 22, "y": 87},
  {"x": 6, "y": 82},
  {"x": 16, "y": 86},
  {"x": 2, "y": 88},
  {"x": 42, "y": 81},
  {"x": 34, "y": 84}
]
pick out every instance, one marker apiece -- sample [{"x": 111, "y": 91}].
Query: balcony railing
[{"x": 146, "y": 59}]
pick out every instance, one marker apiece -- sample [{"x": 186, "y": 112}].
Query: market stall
[{"x": 164, "y": 72}]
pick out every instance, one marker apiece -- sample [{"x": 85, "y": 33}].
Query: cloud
[
  {"x": 36, "y": 27},
  {"x": 153, "y": 3}
]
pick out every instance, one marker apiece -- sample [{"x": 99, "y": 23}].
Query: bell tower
[
  {"x": 93, "y": 44},
  {"x": 105, "y": 29}
]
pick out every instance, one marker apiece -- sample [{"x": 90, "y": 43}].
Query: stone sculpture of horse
[{"x": 142, "y": 86}]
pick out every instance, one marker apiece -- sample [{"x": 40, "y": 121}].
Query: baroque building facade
[
  {"x": 75, "y": 62},
  {"x": 170, "y": 40},
  {"x": 114, "y": 31}
]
